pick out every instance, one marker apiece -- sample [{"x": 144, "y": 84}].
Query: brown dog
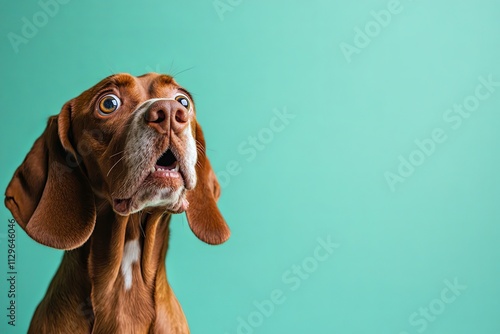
[{"x": 101, "y": 183}]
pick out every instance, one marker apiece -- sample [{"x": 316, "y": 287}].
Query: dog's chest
[{"x": 130, "y": 259}]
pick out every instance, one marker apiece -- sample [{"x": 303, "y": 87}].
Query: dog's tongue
[{"x": 121, "y": 206}]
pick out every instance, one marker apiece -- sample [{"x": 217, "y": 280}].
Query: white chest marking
[{"x": 131, "y": 253}]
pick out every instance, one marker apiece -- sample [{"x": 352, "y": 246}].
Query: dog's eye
[
  {"x": 108, "y": 104},
  {"x": 183, "y": 100}
]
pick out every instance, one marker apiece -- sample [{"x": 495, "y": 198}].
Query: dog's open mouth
[
  {"x": 164, "y": 174},
  {"x": 167, "y": 164}
]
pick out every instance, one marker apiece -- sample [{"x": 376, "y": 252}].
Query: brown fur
[{"x": 62, "y": 197}]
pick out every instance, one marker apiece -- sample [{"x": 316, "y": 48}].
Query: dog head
[{"x": 133, "y": 142}]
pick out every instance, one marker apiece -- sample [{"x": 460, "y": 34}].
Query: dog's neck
[
  {"x": 127, "y": 250},
  {"x": 126, "y": 259},
  {"x": 121, "y": 270}
]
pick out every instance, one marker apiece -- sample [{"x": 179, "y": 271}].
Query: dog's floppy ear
[
  {"x": 48, "y": 195},
  {"x": 203, "y": 216}
]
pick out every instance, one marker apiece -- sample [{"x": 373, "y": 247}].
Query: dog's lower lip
[{"x": 121, "y": 206}]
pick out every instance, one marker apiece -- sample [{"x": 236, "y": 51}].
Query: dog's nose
[{"x": 163, "y": 115}]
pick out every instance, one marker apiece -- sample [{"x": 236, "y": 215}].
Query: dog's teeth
[{"x": 165, "y": 169}]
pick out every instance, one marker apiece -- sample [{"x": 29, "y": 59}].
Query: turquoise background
[{"x": 322, "y": 176}]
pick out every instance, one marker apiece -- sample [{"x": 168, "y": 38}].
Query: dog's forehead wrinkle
[
  {"x": 161, "y": 91},
  {"x": 162, "y": 85},
  {"x": 146, "y": 83},
  {"x": 163, "y": 79},
  {"x": 137, "y": 89},
  {"x": 121, "y": 80}
]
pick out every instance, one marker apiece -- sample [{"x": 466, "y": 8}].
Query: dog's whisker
[
  {"x": 171, "y": 65},
  {"x": 116, "y": 154},
  {"x": 135, "y": 170},
  {"x": 180, "y": 72},
  {"x": 118, "y": 177},
  {"x": 140, "y": 223},
  {"x": 100, "y": 207},
  {"x": 116, "y": 163}
]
